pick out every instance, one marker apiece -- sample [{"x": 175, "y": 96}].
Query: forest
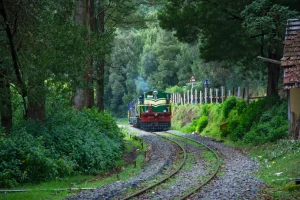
[{"x": 68, "y": 68}]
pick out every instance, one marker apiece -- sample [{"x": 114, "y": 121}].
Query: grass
[
  {"x": 126, "y": 170},
  {"x": 279, "y": 167},
  {"x": 122, "y": 121}
]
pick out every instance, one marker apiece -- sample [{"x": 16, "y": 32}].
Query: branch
[
  {"x": 277, "y": 62},
  {"x": 14, "y": 56}
]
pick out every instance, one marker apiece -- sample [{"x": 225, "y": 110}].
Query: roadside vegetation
[
  {"x": 259, "y": 128},
  {"x": 124, "y": 167}
]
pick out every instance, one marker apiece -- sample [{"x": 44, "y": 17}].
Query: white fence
[{"x": 209, "y": 95}]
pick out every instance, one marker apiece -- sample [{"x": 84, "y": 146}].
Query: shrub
[
  {"x": 24, "y": 158},
  {"x": 86, "y": 141},
  {"x": 202, "y": 123},
  {"x": 228, "y": 105},
  {"x": 251, "y": 115}
]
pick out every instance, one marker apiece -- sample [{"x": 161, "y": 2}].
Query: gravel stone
[{"x": 236, "y": 181}]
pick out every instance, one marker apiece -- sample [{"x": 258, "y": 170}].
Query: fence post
[
  {"x": 210, "y": 94},
  {"x": 188, "y": 97},
  {"x": 205, "y": 96},
  {"x": 184, "y": 98},
  {"x": 192, "y": 96},
  {"x": 196, "y": 96},
  {"x": 239, "y": 92},
  {"x": 229, "y": 93},
  {"x": 217, "y": 91},
  {"x": 200, "y": 97},
  {"x": 248, "y": 98},
  {"x": 222, "y": 93}
]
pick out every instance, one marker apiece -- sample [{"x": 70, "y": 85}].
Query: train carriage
[{"x": 151, "y": 111}]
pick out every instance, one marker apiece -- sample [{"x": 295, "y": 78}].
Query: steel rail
[
  {"x": 164, "y": 179},
  {"x": 211, "y": 177}
]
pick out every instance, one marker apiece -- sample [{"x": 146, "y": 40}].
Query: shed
[{"x": 290, "y": 63}]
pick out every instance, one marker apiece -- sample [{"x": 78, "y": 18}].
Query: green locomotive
[{"x": 151, "y": 111}]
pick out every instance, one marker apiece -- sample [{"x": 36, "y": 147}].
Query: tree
[
  {"x": 224, "y": 29},
  {"x": 84, "y": 96}
]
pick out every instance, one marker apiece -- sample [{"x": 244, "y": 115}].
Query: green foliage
[
  {"x": 259, "y": 122},
  {"x": 251, "y": 116},
  {"x": 202, "y": 123},
  {"x": 87, "y": 142},
  {"x": 272, "y": 126},
  {"x": 233, "y": 103},
  {"x": 24, "y": 158}
]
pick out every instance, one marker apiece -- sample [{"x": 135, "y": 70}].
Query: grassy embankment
[{"x": 260, "y": 129}]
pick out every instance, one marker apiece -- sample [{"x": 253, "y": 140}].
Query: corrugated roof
[{"x": 292, "y": 26}]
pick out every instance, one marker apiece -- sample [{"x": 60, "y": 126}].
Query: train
[{"x": 151, "y": 111}]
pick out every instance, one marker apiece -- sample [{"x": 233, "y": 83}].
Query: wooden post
[
  {"x": 222, "y": 93},
  {"x": 200, "y": 97},
  {"x": 192, "y": 96},
  {"x": 210, "y": 94},
  {"x": 205, "y": 96},
  {"x": 248, "y": 93},
  {"x": 217, "y": 91}
]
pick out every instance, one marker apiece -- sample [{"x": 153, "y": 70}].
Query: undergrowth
[
  {"x": 261, "y": 121},
  {"x": 68, "y": 142}
]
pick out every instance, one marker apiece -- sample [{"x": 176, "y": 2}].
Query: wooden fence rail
[{"x": 209, "y": 95}]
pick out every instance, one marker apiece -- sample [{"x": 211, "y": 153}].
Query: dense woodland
[{"x": 60, "y": 57}]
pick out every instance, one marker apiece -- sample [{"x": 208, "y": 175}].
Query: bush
[
  {"x": 86, "y": 141},
  {"x": 228, "y": 105},
  {"x": 251, "y": 115},
  {"x": 202, "y": 123},
  {"x": 24, "y": 158}
]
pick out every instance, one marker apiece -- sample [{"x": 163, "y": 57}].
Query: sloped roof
[{"x": 291, "y": 54}]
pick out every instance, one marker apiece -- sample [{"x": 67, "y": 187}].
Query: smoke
[{"x": 142, "y": 85}]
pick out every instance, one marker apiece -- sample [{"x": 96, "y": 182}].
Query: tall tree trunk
[
  {"x": 36, "y": 100},
  {"x": 5, "y": 102},
  {"x": 84, "y": 97},
  {"x": 273, "y": 76},
  {"x": 20, "y": 82},
  {"x": 100, "y": 65}
]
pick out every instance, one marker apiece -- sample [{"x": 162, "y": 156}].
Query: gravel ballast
[{"x": 235, "y": 181}]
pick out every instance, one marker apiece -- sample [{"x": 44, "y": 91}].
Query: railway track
[{"x": 173, "y": 138}]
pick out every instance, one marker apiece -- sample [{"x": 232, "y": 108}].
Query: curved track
[
  {"x": 214, "y": 173},
  {"x": 166, "y": 178},
  {"x": 181, "y": 165}
]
